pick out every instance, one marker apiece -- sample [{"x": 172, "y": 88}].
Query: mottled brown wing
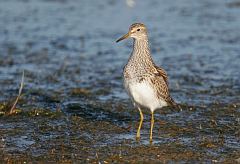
[
  {"x": 161, "y": 83},
  {"x": 161, "y": 72}
]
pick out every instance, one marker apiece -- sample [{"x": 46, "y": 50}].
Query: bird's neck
[{"x": 141, "y": 51}]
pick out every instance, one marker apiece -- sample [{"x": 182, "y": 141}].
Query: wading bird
[{"x": 146, "y": 84}]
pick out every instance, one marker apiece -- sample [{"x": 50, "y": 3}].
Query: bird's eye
[{"x": 138, "y": 29}]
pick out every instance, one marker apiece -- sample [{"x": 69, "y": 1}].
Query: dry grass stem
[{"x": 12, "y": 110}]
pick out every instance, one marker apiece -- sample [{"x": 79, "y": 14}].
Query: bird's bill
[{"x": 123, "y": 37}]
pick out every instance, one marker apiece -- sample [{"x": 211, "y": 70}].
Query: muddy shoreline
[{"x": 73, "y": 107}]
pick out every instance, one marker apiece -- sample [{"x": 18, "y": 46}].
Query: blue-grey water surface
[{"x": 71, "y": 61}]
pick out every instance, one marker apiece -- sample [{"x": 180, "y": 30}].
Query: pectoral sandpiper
[{"x": 146, "y": 84}]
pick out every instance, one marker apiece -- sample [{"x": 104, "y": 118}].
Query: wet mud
[{"x": 73, "y": 107}]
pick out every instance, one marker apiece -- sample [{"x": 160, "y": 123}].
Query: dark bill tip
[{"x": 123, "y": 37}]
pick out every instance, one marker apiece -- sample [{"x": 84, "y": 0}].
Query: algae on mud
[
  {"x": 74, "y": 108},
  {"x": 58, "y": 137}
]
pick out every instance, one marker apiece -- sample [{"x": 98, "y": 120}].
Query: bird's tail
[{"x": 171, "y": 102}]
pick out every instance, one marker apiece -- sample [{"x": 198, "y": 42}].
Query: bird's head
[{"x": 137, "y": 31}]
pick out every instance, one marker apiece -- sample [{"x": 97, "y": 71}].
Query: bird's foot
[
  {"x": 150, "y": 141},
  {"x": 138, "y": 137}
]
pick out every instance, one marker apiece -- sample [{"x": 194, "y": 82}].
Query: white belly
[{"x": 144, "y": 95}]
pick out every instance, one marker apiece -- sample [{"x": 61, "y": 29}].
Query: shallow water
[{"x": 74, "y": 106}]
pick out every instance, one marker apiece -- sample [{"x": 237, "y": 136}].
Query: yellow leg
[
  {"x": 140, "y": 124},
  {"x": 152, "y": 123}
]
